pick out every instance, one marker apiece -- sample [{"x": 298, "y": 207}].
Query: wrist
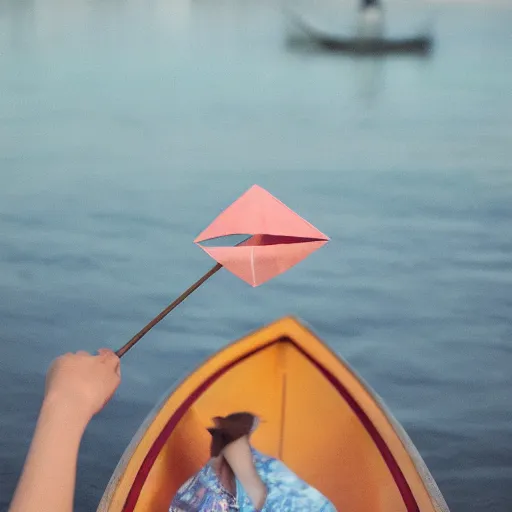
[{"x": 67, "y": 410}]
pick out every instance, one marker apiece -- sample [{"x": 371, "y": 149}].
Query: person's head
[{"x": 230, "y": 428}]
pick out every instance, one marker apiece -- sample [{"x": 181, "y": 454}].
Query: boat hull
[
  {"x": 316, "y": 415},
  {"x": 368, "y": 40},
  {"x": 369, "y": 46}
]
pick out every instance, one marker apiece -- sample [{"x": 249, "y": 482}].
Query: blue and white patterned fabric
[{"x": 286, "y": 492}]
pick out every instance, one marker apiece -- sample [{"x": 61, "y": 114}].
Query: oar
[
  {"x": 127, "y": 346},
  {"x": 269, "y": 250}
]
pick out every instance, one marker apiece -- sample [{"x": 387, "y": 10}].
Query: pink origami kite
[{"x": 280, "y": 238}]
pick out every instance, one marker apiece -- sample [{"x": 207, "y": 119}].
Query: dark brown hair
[{"x": 228, "y": 429}]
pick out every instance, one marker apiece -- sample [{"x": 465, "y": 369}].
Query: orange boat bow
[{"x": 317, "y": 416}]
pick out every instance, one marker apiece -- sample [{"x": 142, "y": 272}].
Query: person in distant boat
[
  {"x": 371, "y": 19},
  {"x": 365, "y": 4},
  {"x": 240, "y": 478},
  {"x": 77, "y": 387}
]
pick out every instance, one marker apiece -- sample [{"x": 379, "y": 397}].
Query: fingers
[
  {"x": 111, "y": 359},
  {"x": 104, "y": 352},
  {"x": 117, "y": 368},
  {"x": 105, "y": 355}
]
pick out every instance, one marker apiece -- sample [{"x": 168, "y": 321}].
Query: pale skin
[
  {"x": 236, "y": 460},
  {"x": 78, "y": 386},
  {"x": 239, "y": 457}
]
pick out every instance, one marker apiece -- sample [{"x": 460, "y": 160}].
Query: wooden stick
[{"x": 127, "y": 346}]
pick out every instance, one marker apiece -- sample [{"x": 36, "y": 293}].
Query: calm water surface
[{"x": 126, "y": 126}]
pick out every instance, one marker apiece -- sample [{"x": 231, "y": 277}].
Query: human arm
[
  {"x": 77, "y": 387},
  {"x": 239, "y": 457}
]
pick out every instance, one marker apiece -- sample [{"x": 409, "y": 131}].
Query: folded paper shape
[{"x": 280, "y": 238}]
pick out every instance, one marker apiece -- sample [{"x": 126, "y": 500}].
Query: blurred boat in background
[{"x": 368, "y": 38}]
